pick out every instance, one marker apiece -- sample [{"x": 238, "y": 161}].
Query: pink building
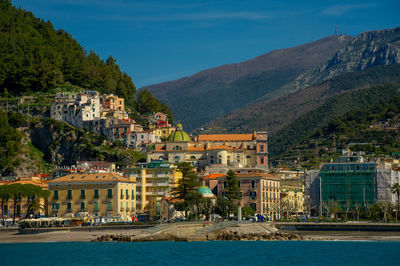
[{"x": 260, "y": 191}]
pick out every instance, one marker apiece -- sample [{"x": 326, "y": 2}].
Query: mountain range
[{"x": 272, "y": 90}]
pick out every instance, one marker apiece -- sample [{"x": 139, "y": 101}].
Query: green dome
[
  {"x": 205, "y": 191},
  {"x": 179, "y": 134}
]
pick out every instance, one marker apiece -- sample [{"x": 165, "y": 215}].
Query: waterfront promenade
[{"x": 308, "y": 231}]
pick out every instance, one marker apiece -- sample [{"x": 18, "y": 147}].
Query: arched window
[
  {"x": 161, "y": 158},
  {"x": 192, "y": 157},
  {"x": 248, "y": 157},
  {"x": 177, "y": 148}
]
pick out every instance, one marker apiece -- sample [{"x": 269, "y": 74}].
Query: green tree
[
  {"x": 232, "y": 190},
  {"x": 186, "y": 186},
  {"x": 396, "y": 189},
  {"x": 16, "y": 193},
  {"x": 247, "y": 212},
  {"x": 4, "y": 196},
  {"x": 222, "y": 206}
]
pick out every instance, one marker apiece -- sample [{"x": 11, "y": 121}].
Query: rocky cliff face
[{"x": 369, "y": 49}]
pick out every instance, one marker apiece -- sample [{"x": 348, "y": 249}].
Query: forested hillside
[
  {"x": 276, "y": 114},
  {"x": 367, "y": 50},
  {"x": 34, "y": 57},
  {"x": 342, "y": 120}
]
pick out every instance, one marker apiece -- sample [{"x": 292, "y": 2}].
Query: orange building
[{"x": 114, "y": 103}]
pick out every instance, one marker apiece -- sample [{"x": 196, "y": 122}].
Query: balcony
[
  {"x": 127, "y": 197},
  {"x": 121, "y": 197}
]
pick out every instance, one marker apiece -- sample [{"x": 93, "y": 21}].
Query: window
[
  {"x": 253, "y": 184},
  {"x": 109, "y": 206},
  {"x": 56, "y": 206},
  {"x": 253, "y": 206},
  {"x": 133, "y": 194},
  {"x": 96, "y": 193},
  {"x": 261, "y": 148},
  {"x": 69, "y": 206},
  {"x": 122, "y": 193},
  {"x": 83, "y": 194},
  {"x": 69, "y": 194},
  {"x": 96, "y": 206},
  {"x": 225, "y": 184},
  {"x": 18, "y": 209},
  {"x": 127, "y": 194},
  {"x": 253, "y": 195},
  {"x": 212, "y": 161},
  {"x": 55, "y": 194},
  {"x": 262, "y": 160},
  {"x": 83, "y": 206}
]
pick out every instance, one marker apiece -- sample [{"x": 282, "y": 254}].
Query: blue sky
[{"x": 156, "y": 41}]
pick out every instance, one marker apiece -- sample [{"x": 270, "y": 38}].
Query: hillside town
[{"x": 97, "y": 192}]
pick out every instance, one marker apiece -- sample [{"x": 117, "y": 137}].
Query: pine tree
[{"x": 232, "y": 190}]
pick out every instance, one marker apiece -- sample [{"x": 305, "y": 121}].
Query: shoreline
[{"x": 89, "y": 236}]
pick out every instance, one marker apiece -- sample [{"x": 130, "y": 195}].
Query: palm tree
[{"x": 396, "y": 189}]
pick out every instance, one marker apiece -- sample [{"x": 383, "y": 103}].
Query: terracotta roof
[
  {"x": 213, "y": 176},
  {"x": 96, "y": 177},
  {"x": 226, "y": 137},
  {"x": 220, "y": 147},
  {"x": 159, "y": 148},
  {"x": 198, "y": 148},
  {"x": 33, "y": 182}
]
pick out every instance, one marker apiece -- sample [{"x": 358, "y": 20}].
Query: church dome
[
  {"x": 205, "y": 192},
  {"x": 179, "y": 134}
]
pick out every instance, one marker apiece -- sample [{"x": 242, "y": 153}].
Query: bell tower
[{"x": 262, "y": 149}]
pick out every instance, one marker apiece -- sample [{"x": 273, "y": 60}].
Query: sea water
[{"x": 202, "y": 253}]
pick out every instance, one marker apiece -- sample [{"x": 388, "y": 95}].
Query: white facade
[
  {"x": 386, "y": 176},
  {"x": 140, "y": 140}
]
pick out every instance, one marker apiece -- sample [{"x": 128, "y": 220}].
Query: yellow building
[
  {"x": 98, "y": 194},
  {"x": 292, "y": 196},
  {"x": 154, "y": 181},
  {"x": 163, "y": 132}
]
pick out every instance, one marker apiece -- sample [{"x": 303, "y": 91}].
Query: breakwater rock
[{"x": 257, "y": 236}]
